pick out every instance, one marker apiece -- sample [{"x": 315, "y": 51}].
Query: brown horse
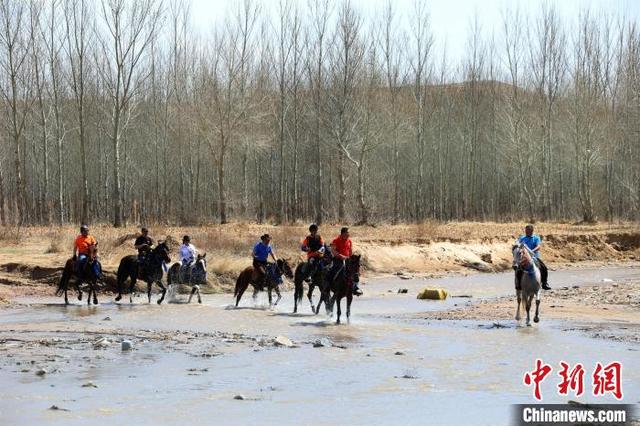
[
  {"x": 90, "y": 272},
  {"x": 253, "y": 277},
  {"x": 342, "y": 284}
]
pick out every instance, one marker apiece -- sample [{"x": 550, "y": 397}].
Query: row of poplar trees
[{"x": 122, "y": 111}]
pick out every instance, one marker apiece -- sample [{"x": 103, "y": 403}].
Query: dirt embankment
[{"x": 33, "y": 266}]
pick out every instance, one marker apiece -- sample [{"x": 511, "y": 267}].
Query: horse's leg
[
  {"x": 338, "y": 310},
  {"x": 66, "y": 299},
  {"x": 349, "y": 300},
  {"x": 310, "y": 296},
  {"x": 78, "y": 284},
  {"x": 519, "y": 297},
  {"x": 322, "y": 299},
  {"x": 270, "y": 297},
  {"x": 528, "y": 307},
  {"x": 149, "y": 291},
  {"x": 164, "y": 291},
  {"x": 254, "y": 296},
  {"x": 198, "y": 293},
  {"x": 132, "y": 288},
  {"x": 241, "y": 290},
  {"x": 536, "y": 318},
  {"x": 193, "y": 290},
  {"x": 277, "y": 290},
  {"x": 95, "y": 293}
]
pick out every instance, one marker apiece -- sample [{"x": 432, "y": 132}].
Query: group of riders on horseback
[{"x": 333, "y": 268}]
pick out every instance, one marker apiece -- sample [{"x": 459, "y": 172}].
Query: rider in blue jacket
[{"x": 534, "y": 241}]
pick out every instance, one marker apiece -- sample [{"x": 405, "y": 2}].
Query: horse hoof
[
  {"x": 536, "y": 319},
  {"x": 337, "y": 321},
  {"x": 528, "y": 324},
  {"x": 517, "y": 317},
  {"x": 159, "y": 301},
  {"x": 79, "y": 296},
  {"x": 118, "y": 298},
  {"x": 200, "y": 301}
]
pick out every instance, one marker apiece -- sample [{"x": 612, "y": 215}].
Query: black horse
[
  {"x": 90, "y": 273},
  {"x": 196, "y": 276},
  {"x": 251, "y": 276},
  {"x": 150, "y": 271},
  {"x": 342, "y": 284},
  {"x": 315, "y": 276}
]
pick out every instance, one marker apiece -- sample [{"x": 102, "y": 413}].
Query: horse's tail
[{"x": 64, "y": 279}]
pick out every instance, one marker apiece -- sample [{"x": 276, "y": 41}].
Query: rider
[
  {"x": 313, "y": 244},
  {"x": 143, "y": 244},
  {"x": 187, "y": 253},
  {"x": 82, "y": 249},
  {"x": 533, "y": 242},
  {"x": 260, "y": 253},
  {"x": 341, "y": 249}
]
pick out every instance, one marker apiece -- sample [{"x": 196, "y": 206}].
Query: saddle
[{"x": 184, "y": 274}]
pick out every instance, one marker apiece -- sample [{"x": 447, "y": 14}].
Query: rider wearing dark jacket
[
  {"x": 143, "y": 243},
  {"x": 313, "y": 245}
]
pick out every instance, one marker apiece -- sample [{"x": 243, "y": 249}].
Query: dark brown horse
[
  {"x": 315, "y": 276},
  {"x": 253, "y": 277},
  {"x": 89, "y": 272},
  {"x": 150, "y": 271},
  {"x": 342, "y": 284}
]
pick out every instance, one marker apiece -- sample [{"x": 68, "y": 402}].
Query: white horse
[{"x": 528, "y": 282}]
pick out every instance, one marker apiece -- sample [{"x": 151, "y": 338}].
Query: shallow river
[{"x": 445, "y": 372}]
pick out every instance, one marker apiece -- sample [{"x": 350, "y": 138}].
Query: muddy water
[{"x": 187, "y": 366}]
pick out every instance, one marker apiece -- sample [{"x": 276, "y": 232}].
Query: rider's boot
[{"x": 356, "y": 290}]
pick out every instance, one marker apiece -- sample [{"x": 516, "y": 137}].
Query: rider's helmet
[
  {"x": 186, "y": 239},
  {"x": 84, "y": 228},
  {"x": 313, "y": 227}
]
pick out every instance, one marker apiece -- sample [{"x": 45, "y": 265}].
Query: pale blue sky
[{"x": 450, "y": 18}]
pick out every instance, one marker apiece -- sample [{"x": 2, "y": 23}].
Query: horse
[
  {"x": 195, "y": 277},
  {"x": 274, "y": 273},
  {"x": 90, "y": 272},
  {"x": 342, "y": 284},
  {"x": 150, "y": 271},
  {"x": 315, "y": 279},
  {"x": 527, "y": 280}
]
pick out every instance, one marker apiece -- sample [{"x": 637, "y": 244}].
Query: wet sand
[{"x": 395, "y": 363}]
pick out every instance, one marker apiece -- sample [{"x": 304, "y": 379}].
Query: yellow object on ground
[{"x": 433, "y": 294}]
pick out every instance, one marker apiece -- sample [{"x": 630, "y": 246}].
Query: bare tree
[{"x": 131, "y": 27}]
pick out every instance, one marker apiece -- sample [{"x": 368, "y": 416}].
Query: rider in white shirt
[{"x": 188, "y": 252}]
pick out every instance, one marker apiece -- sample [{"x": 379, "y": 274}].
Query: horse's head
[
  {"x": 162, "y": 251},
  {"x": 521, "y": 256},
  {"x": 285, "y": 268},
  {"x": 201, "y": 261},
  {"x": 353, "y": 268},
  {"x": 515, "y": 251}
]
